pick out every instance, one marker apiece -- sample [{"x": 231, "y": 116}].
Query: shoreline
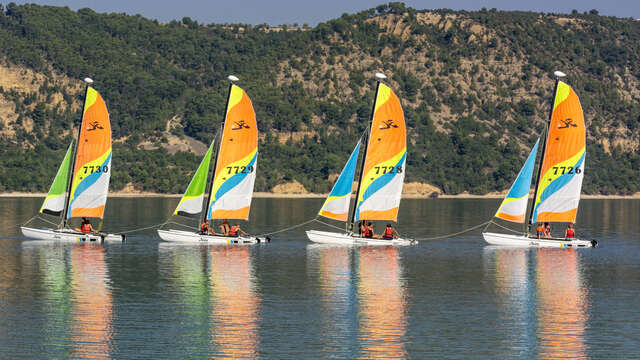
[{"x": 269, "y": 195}]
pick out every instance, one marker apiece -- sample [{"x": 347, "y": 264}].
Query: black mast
[
  {"x": 379, "y": 77},
  {"x": 215, "y": 161},
  {"x": 558, "y": 75},
  {"x": 88, "y": 81}
]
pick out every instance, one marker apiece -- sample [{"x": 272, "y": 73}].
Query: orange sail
[
  {"x": 383, "y": 173},
  {"x": 92, "y": 170}
]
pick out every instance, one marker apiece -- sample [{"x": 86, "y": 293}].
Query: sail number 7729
[{"x": 239, "y": 169}]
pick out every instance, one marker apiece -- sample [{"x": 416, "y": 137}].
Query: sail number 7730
[
  {"x": 566, "y": 170},
  {"x": 95, "y": 169},
  {"x": 388, "y": 169}
]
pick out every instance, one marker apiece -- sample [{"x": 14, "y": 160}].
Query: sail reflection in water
[
  {"x": 91, "y": 312},
  {"x": 235, "y": 303},
  {"x": 382, "y": 299},
  {"x": 562, "y": 305},
  {"x": 333, "y": 266}
]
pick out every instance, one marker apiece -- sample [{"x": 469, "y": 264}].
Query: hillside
[{"x": 475, "y": 87}]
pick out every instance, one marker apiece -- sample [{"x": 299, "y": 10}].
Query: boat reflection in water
[
  {"x": 91, "y": 332},
  {"x": 508, "y": 269},
  {"x": 332, "y": 264},
  {"x": 562, "y": 306},
  {"x": 235, "y": 303},
  {"x": 382, "y": 303}
]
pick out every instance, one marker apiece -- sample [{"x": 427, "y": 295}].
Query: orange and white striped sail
[
  {"x": 383, "y": 173},
  {"x": 562, "y": 170},
  {"x": 237, "y": 158},
  {"x": 92, "y": 170}
]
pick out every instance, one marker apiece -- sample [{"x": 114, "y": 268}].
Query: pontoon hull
[
  {"x": 66, "y": 235},
  {"x": 325, "y": 237},
  {"x": 525, "y": 241},
  {"x": 195, "y": 238}
]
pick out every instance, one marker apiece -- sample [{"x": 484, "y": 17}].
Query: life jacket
[
  {"x": 85, "y": 227},
  {"x": 233, "y": 231},
  {"x": 388, "y": 232},
  {"x": 540, "y": 229},
  {"x": 571, "y": 233},
  {"x": 203, "y": 228},
  {"x": 367, "y": 232}
]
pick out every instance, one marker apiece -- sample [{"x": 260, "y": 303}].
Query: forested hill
[{"x": 475, "y": 86}]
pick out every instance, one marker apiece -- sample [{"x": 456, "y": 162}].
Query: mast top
[
  {"x": 380, "y": 76},
  {"x": 88, "y": 80},
  {"x": 232, "y": 78},
  {"x": 559, "y": 74}
]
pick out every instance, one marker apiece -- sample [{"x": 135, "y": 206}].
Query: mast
[
  {"x": 231, "y": 79},
  {"x": 379, "y": 77},
  {"x": 558, "y": 75},
  {"x": 88, "y": 81}
]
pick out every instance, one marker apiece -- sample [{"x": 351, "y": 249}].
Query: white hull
[
  {"x": 525, "y": 241},
  {"x": 195, "y": 238},
  {"x": 66, "y": 235},
  {"x": 325, "y": 237}
]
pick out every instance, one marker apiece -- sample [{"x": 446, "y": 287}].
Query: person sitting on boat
[
  {"x": 390, "y": 233},
  {"x": 236, "y": 231},
  {"x": 540, "y": 230},
  {"x": 85, "y": 226},
  {"x": 369, "y": 232},
  {"x": 224, "y": 227},
  {"x": 570, "y": 233},
  {"x": 547, "y": 230},
  {"x": 363, "y": 227},
  {"x": 204, "y": 228}
]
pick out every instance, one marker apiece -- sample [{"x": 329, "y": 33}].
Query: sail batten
[
  {"x": 514, "y": 205},
  {"x": 380, "y": 188},
  {"x": 191, "y": 202},
  {"x": 562, "y": 168},
  {"x": 336, "y": 206},
  {"x": 92, "y": 170},
  {"x": 235, "y": 170},
  {"x": 54, "y": 202}
]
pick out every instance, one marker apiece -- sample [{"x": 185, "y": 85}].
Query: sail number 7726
[{"x": 566, "y": 170}]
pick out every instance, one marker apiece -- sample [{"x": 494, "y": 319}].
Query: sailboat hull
[
  {"x": 195, "y": 238},
  {"x": 66, "y": 235},
  {"x": 326, "y": 237},
  {"x": 525, "y": 241}
]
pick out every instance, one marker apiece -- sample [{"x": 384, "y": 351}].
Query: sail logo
[
  {"x": 239, "y": 125},
  {"x": 567, "y": 124},
  {"x": 94, "y": 126},
  {"x": 387, "y": 125}
]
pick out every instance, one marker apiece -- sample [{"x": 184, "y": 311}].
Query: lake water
[{"x": 453, "y": 298}]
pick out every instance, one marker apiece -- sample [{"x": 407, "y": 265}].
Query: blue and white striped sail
[
  {"x": 337, "y": 204},
  {"x": 514, "y": 205}
]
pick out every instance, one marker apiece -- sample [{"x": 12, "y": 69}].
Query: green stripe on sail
[
  {"x": 191, "y": 202},
  {"x": 54, "y": 202}
]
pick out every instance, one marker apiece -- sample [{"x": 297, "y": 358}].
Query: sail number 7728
[{"x": 388, "y": 169}]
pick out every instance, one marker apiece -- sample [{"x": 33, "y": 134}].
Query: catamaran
[
  {"x": 559, "y": 179},
  {"x": 234, "y": 173},
  {"x": 381, "y": 175},
  {"x": 82, "y": 182}
]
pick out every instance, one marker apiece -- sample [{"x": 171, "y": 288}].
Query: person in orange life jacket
[
  {"x": 85, "y": 226},
  {"x": 539, "y": 231},
  {"x": 547, "y": 230},
  {"x": 369, "y": 232},
  {"x": 224, "y": 227},
  {"x": 570, "y": 233},
  {"x": 235, "y": 231},
  {"x": 363, "y": 227},
  {"x": 390, "y": 233}
]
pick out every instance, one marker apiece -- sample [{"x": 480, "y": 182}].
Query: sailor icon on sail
[
  {"x": 239, "y": 125},
  {"x": 94, "y": 126},
  {"x": 388, "y": 125},
  {"x": 567, "y": 123}
]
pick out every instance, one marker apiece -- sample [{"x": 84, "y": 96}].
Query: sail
[
  {"x": 237, "y": 157},
  {"x": 54, "y": 202},
  {"x": 191, "y": 202},
  {"x": 562, "y": 169},
  {"x": 337, "y": 204},
  {"x": 92, "y": 170},
  {"x": 383, "y": 172},
  {"x": 514, "y": 205}
]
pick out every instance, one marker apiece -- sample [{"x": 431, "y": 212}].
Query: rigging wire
[{"x": 454, "y": 234}]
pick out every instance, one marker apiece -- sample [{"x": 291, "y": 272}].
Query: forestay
[
  {"x": 337, "y": 204},
  {"x": 514, "y": 205},
  {"x": 235, "y": 170},
  {"x": 54, "y": 202},
  {"x": 562, "y": 169},
  {"x": 383, "y": 172},
  {"x": 92, "y": 170},
  {"x": 191, "y": 202}
]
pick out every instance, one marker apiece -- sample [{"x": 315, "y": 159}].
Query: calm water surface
[{"x": 453, "y": 298}]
